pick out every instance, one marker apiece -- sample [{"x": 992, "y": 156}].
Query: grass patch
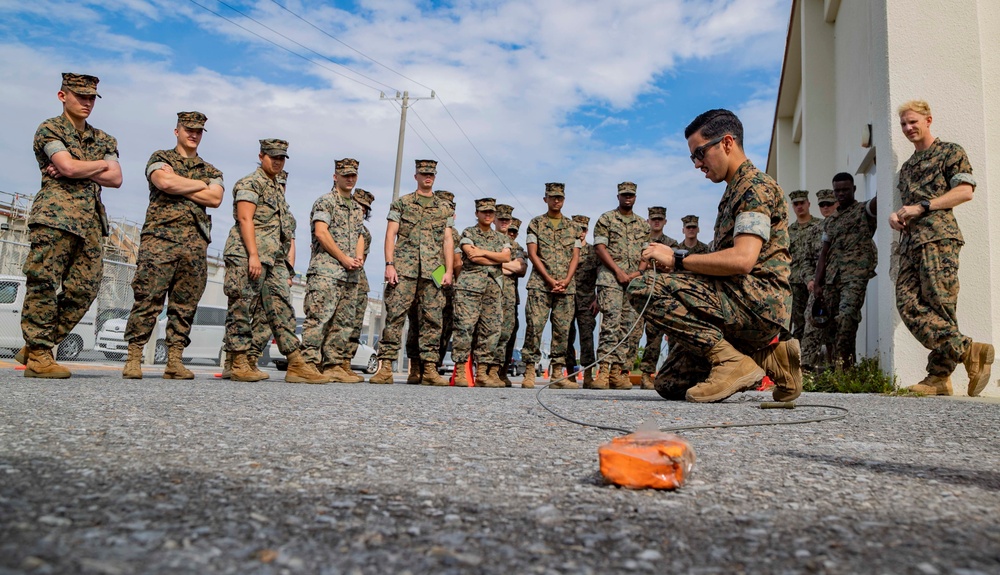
[{"x": 865, "y": 377}]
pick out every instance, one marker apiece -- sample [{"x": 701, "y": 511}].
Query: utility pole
[{"x": 404, "y": 98}]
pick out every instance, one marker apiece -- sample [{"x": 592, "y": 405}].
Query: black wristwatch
[
  {"x": 679, "y": 261},
  {"x": 926, "y": 205}
]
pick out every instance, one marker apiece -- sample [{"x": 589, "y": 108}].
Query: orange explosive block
[{"x": 646, "y": 460}]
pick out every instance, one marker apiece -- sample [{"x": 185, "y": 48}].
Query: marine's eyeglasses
[
  {"x": 699, "y": 153},
  {"x": 826, "y": 204}
]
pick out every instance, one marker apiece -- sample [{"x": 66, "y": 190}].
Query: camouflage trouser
[
  {"x": 695, "y": 313},
  {"x": 508, "y": 323},
  {"x": 245, "y": 295},
  {"x": 584, "y": 323},
  {"x": 846, "y": 300},
  {"x": 330, "y": 310},
  {"x": 260, "y": 327},
  {"x": 430, "y": 302},
  {"x": 59, "y": 258},
  {"x": 540, "y": 304},
  {"x": 800, "y": 297},
  {"x": 447, "y": 326},
  {"x": 360, "y": 306},
  {"x": 167, "y": 268},
  {"x": 815, "y": 338},
  {"x": 926, "y": 298},
  {"x": 651, "y": 354},
  {"x": 478, "y": 316},
  {"x": 617, "y": 316},
  {"x": 509, "y": 350},
  {"x": 681, "y": 371}
]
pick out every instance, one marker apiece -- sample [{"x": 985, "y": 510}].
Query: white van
[
  {"x": 207, "y": 331},
  {"x": 12, "y": 289}
]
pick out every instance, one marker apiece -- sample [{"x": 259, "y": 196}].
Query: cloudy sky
[{"x": 586, "y": 92}]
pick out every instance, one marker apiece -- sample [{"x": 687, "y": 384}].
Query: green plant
[{"x": 865, "y": 377}]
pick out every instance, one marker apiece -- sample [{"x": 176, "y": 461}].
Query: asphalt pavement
[{"x": 101, "y": 475}]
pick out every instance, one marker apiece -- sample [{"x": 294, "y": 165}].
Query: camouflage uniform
[
  {"x": 330, "y": 288},
  {"x": 799, "y": 246},
  {"x": 697, "y": 311},
  {"x": 173, "y": 253},
  {"x": 927, "y": 285},
  {"x": 624, "y": 237},
  {"x": 245, "y": 294},
  {"x": 478, "y": 301},
  {"x": 517, "y": 252},
  {"x": 66, "y": 226},
  {"x": 260, "y": 326},
  {"x": 418, "y": 252},
  {"x": 850, "y": 263},
  {"x": 556, "y": 247},
  {"x": 654, "y": 336},
  {"x": 584, "y": 320},
  {"x": 362, "y": 288},
  {"x": 448, "y": 312},
  {"x": 508, "y": 294},
  {"x": 815, "y": 337}
]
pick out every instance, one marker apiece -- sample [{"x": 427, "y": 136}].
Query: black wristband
[
  {"x": 387, "y": 264},
  {"x": 679, "y": 261},
  {"x": 926, "y": 205}
]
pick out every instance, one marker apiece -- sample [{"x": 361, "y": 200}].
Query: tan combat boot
[
  {"x": 384, "y": 373},
  {"x": 227, "y": 366},
  {"x": 618, "y": 378},
  {"x": 252, "y": 361},
  {"x": 978, "y": 360},
  {"x": 413, "y": 376},
  {"x": 933, "y": 385},
  {"x": 175, "y": 367},
  {"x": 40, "y": 363},
  {"x": 647, "y": 381},
  {"x": 731, "y": 373},
  {"x": 502, "y": 375},
  {"x": 301, "y": 372},
  {"x": 461, "y": 380},
  {"x": 430, "y": 375},
  {"x": 241, "y": 369},
  {"x": 560, "y": 381},
  {"x": 603, "y": 379},
  {"x": 588, "y": 377},
  {"x": 484, "y": 378},
  {"x": 22, "y": 355},
  {"x": 529, "y": 378},
  {"x": 133, "y": 365},
  {"x": 782, "y": 363},
  {"x": 336, "y": 374},
  {"x": 346, "y": 366}
]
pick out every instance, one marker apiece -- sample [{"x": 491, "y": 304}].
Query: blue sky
[{"x": 589, "y": 93}]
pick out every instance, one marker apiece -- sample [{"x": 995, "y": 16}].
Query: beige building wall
[{"x": 848, "y": 65}]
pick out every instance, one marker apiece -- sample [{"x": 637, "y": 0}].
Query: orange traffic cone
[{"x": 470, "y": 374}]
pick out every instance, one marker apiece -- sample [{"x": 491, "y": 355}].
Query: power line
[
  {"x": 290, "y": 51},
  {"x": 345, "y": 44},
  {"x": 436, "y": 139}
]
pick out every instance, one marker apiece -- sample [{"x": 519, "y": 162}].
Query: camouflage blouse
[
  {"x": 852, "y": 255},
  {"x": 586, "y": 272},
  {"x": 625, "y": 238},
  {"x": 266, "y": 194},
  {"x": 798, "y": 246},
  {"x": 68, "y": 204},
  {"x": 699, "y": 248},
  {"x": 474, "y": 277},
  {"x": 926, "y": 175},
  {"x": 172, "y": 217},
  {"x": 555, "y": 247},
  {"x": 345, "y": 219},
  {"x": 753, "y": 203},
  {"x": 419, "y": 246}
]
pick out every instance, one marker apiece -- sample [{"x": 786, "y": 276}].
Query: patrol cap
[
  {"x": 274, "y": 147},
  {"x": 347, "y": 166},
  {"x": 555, "y": 189},
  {"x": 445, "y": 195},
  {"x": 515, "y": 224},
  {"x": 486, "y": 205},
  {"x": 193, "y": 120},
  {"x": 799, "y": 196},
  {"x": 426, "y": 166},
  {"x": 582, "y": 220},
  {"x": 363, "y": 197},
  {"x": 826, "y": 196},
  {"x": 504, "y": 211},
  {"x": 626, "y": 188},
  {"x": 690, "y": 220},
  {"x": 657, "y": 213},
  {"x": 82, "y": 84}
]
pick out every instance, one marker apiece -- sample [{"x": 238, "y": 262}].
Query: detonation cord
[{"x": 763, "y": 405}]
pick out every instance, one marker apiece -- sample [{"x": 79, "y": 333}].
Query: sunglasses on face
[
  {"x": 826, "y": 204},
  {"x": 699, "y": 153}
]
